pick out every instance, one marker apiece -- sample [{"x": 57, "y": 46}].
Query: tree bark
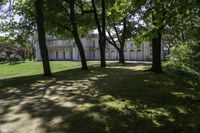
[
  {"x": 121, "y": 40},
  {"x": 102, "y": 51},
  {"x": 156, "y": 54},
  {"x": 101, "y": 30},
  {"x": 76, "y": 35},
  {"x": 121, "y": 56},
  {"x": 103, "y": 44},
  {"x": 81, "y": 50},
  {"x": 42, "y": 38}
]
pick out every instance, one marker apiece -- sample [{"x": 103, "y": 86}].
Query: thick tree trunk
[
  {"x": 101, "y": 30},
  {"x": 156, "y": 54},
  {"x": 42, "y": 38},
  {"x": 102, "y": 51},
  {"x": 76, "y": 35},
  {"x": 81, "y": 51},
  {"x": 103, "y": 44},
  {"x": 121, "y": 56}
]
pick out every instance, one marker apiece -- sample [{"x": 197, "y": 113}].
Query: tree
[
  {"x": 7, "y": 49},
  {"x": 118, "y": 38},
  {"x": 120, "y": 25},
  {"x": 21, "y": 51},
  {"x": 42, "y": 38},
  {"x": 101, "y": 27},
  {"x": 158, "y": 17},
  {"x": 185, "y": 46},
  {"x": 22, "y": 30},
  {"x": 74, "y": 31},
  {"x": 68, "y": 17}
]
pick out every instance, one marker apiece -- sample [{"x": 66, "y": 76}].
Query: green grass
[
  {"x": 118, "y": 99},
  {"x": 34, "y": 68}
]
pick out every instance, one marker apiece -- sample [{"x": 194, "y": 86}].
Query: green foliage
[
  {"x": 182, "y": 69},
  {"x": 187, "y": 54},
  {"x": 195, "y": 56},
  {"x": 185, "y": 59},
  {"x": 58, "y": 22},
  {"x": 180, "y": 54}
]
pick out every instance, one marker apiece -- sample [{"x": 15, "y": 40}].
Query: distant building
[{"x": 67, "y": 50}]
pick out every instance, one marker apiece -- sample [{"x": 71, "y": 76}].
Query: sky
[{"x": 3, "y": 11}]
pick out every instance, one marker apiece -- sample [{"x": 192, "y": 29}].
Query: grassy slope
[{"x": 118, "y": 99}]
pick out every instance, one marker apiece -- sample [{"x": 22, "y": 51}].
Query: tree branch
[
  {"x": 124, "y": 33},
  {"x": 117, "y": 34},
  {"x": 82, "y": 9},
  {"x": 64, "y": 27},
  {"x": 113, "y": 41},
  {"x": 96, "y": 17}
]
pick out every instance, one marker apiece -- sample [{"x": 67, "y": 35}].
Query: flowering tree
[
  {"x": 7, "y": 50},
  {"x": 10, "y": 51},
  {"x": 21, "y": 51}
]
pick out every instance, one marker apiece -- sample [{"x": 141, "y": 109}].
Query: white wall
[{"x": 92, "y": 52}]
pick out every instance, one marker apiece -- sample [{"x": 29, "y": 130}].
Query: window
[
  {"x": 93, "y": 44},
  {"x": 56, "y": 55},
  {"x": 63, "y": 54}
]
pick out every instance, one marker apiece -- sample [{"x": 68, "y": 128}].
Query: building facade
[{"x": 67, "y": 50}]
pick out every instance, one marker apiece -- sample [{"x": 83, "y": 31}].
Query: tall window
[
  {"x": 93, "y": 44},
  {"x": 63, "y": 54},
  {"x": 56, "y": 55}
]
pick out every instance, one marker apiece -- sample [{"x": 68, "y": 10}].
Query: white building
[{"x": 67, "y": 50}]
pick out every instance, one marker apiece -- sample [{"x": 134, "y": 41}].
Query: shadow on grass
[
  {"x": 11, "y": 62},
  {"x": 118, "y": 99}
]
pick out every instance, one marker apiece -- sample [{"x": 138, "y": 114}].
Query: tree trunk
[
  {"x": 42, "y": 38},
  {"x": 81, "y": 51},
  {"x": 156, "y": 54},
  {"x": 103, "y": 44},
  {"x": 101, "y": 30},
  {"x": 102, "y": 51},
  {"x": 30, "y": 56},
  {"x": 76, "y": 35},
  {"x": 121, "y": 56}
]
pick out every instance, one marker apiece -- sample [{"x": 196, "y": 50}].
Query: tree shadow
[
  {"x": 118, "y": 99},
  {"x": 11, "y": 62}
]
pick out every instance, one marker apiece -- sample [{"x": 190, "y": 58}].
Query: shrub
[
  {"x": 2, "y": 59},
  {"x": 182, "y": 69}
]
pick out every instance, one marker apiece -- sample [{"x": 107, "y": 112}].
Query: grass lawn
[
  {"x": 34, "y": 68},
  {"x": 118, "y": 99}
]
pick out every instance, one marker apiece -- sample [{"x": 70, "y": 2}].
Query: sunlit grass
[{"x": 34, "y": 68}]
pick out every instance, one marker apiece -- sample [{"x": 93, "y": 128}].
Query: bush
[
  {"x": 2, "y": 59},
  {"x": 181, "y": 69},
  {"x": 186, "y": 57},
  {"x": 14, "y": 59}
]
